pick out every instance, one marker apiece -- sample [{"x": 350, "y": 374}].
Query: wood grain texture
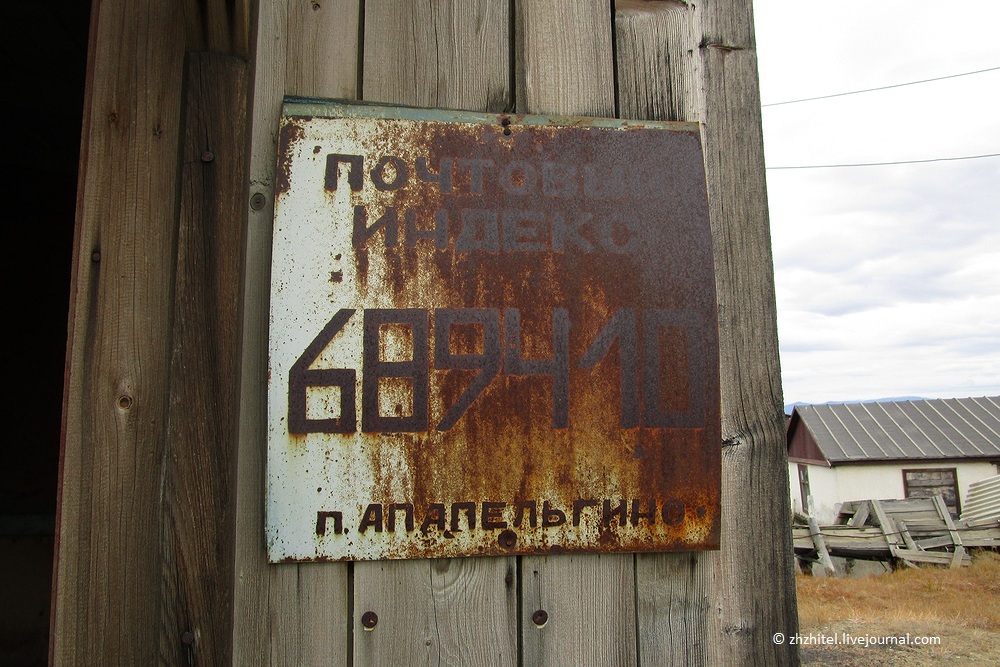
[
  {"x": 437, "y": 612},
  {"x": 290, "y": 614},
  {"x": 107, "y": 572},
  {"x": 564, "y": 57},
  {"x": 452, "y": 54},
  {"x": 565, "y": 66},
  {"x": 200, "y": 457},
  {"x": 321, "y": 47},
  {"x": 217, "y": 26},
  {"x": 590, "y": 603},
  {"x": 679, "y": 61},
  {"x": 656, "y": 65},
  {"x": 675, "y": 612}
]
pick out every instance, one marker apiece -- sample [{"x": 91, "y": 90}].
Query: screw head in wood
[
  {"x": 257, "y": 201},
  {"x": 187, "y": 638},
  {"x": 207, "y": 156},
  {"x": 540, "y": 617},
  {"x": 369, "y": 619}
]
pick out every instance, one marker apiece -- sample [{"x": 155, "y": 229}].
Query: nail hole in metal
[{"x": 507, "y": 539}]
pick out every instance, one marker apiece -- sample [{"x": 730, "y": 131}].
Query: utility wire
[
  {"x": 882, "y": 164},
  {"x": 869, "y": 90}
]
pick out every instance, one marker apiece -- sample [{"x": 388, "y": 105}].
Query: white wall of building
[
  {"x": 830, "y": 487},
  {"x": 822, "y": 490}
]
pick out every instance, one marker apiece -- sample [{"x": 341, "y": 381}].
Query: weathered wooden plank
[
  {"x": 448, "y": 614},
  {"x": 933, "y": 543},
  {"x": 861, "y": 515},
  {"x": 197, "y": 488},
  {"x": 674, "y": 607},
  {"x": 894, "y": 505},
  {"x": 293, "y": 615},
  {"x": 681, "y": 61},
  {"x": 905, "y": 534},
  {"x": 589, "y": 610},
  {"x": 935, "y": 557},
  {"x": 452, "y": 54},
  {"x": 218, "y": 26},
  {"x": 108, "y": 561},
  {"x": 657, "y": 80},
  {"x": 888, "y": 526},
  {"x": 564, "y": 57},
  {"x": 945, "y": 515},
  {"x": 564, "y": 65},
  {"x": 824, "y": 554},
  {"x": 321, "y": 48},
  {"x": 655, "y": 64}
]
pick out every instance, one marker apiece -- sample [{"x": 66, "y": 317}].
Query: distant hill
[{"x": 789, "y": 406}]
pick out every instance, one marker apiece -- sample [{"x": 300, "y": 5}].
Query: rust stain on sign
[{"x": 490, "y": 334}]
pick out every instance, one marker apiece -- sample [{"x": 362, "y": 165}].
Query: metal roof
[{"x": 954, "y": 428}]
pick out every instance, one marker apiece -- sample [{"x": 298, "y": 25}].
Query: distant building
[{"x": 906, "y": 449}]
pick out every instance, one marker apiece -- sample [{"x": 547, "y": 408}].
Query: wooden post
[
  {"x": 143, "y": 565},
  {"x": 956, "y": 539},
  {"x": 824, "y": 554}
]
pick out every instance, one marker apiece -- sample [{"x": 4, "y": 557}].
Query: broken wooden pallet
[{"x": 911, "y": 531}]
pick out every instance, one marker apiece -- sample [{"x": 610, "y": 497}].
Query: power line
[
  {"x": 869, "y": 90},
  {"x": 882, "y": 164}
]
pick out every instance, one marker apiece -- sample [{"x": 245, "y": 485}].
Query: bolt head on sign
[{"x": 489, "y": 334}]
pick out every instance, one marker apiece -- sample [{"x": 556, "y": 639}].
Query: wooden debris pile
[{"x": 907, "y": 532}]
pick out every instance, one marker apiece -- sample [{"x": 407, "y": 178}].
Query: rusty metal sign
[{"x": 489, "y": 334}]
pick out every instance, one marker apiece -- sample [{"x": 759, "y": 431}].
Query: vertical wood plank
[
  {"x": 199, "y": 470},
  {"x": 321, "y": 48},
  {"x": 217, "y": 26},
  {"x": 589, "y": 602},
  {"x": 451, "y": 54},
  {"x": 107, "y": 578},
  {"x": 456, "y": 611},
  {"x": 564, "y": 57},
  {"x": 289, "y": 614},
  {"x": 676, "y": 615},
  {"x": 678, "y": 61},
  {"x": 656, "y": 61},
  {"x": 565, "y": 66},
  {"x": 659, "y": 79}
]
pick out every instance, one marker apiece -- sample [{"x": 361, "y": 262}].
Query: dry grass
[
  {"x": 968, "y": 597},
  {"x": 961, "y": 607}
]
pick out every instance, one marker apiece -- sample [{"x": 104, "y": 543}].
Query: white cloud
[{"x": 886, "y": 277}]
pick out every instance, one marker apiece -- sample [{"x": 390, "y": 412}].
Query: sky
[{"x": 887, "y": 277}]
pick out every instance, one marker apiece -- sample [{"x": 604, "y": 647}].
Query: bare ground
[{"x": 960, "y": 606}]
